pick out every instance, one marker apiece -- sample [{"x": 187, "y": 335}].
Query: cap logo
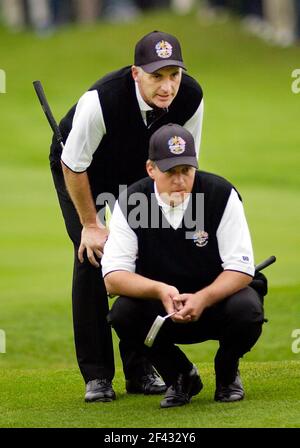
[
  {"x": 176, "y": 145},
  {"x": 163, "y": 49}
]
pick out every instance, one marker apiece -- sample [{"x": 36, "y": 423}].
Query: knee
[
  {"x": 244, "y": 319},
  {"x": 122, "y": 314},
  {"x": 245, "y": 307},
  {"x": 132, "y": 318}
]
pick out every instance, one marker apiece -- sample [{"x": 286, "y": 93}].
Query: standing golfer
[
  {"x": 174, "y": 258},
  {"x": 106, "y": 137}
]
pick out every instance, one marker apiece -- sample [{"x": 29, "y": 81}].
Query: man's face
[
  {"x": 158, "y": 89},
  {"x": 173, "y": 185}
]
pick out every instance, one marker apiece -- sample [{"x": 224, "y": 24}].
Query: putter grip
[
  {"x": 46, "y": 108},
  {"x": 265, "y": 263}
]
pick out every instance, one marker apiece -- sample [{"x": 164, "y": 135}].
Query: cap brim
[
  {"x": 171, "y": 162},
  {"x": 153, "y": 66}
]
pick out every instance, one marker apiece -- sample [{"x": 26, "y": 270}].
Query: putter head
[{"x": 157, "y": 324}]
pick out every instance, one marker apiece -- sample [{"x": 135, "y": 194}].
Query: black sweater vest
[
  {"x": 121, "y": 156},
  {"x": 166, "y": 254}
]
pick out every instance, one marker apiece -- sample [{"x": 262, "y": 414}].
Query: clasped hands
[{"x": 188, "y": 307}]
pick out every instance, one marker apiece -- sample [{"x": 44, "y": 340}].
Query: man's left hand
[{"x": 191, "y": 306}]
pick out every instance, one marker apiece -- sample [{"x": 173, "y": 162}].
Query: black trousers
[
  {"x": 235, "y": 322},
  {"x": 92, "y": 333}
]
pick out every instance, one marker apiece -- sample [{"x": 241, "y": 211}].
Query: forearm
[
  {"x": 132, "y": 285},
  {"x": 78, "y": 187},
  {"x": 226, "y": 284}
]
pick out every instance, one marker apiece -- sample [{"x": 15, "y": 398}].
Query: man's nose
[
  {"x": 166, "y": 86},
  {"x": 178, "y": 178}
]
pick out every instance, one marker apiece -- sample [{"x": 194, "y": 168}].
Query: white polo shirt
[{"x": 88, "y": 129}]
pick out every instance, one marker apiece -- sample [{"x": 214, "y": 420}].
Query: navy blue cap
[
  {"x": 157, "y": 50},
  {"x": 172, "y": 145}
]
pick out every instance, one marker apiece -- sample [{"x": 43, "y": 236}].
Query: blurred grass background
[{"x": 250, "y": 136}]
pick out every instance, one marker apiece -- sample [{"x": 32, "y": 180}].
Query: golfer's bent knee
[
  {"x": 245, "y": 307},
  {"x": 121, "y": 313}
]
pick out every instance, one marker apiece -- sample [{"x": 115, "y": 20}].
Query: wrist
[
  {"x": 158, "y": 290},
  {"x": 89, "y": 224},
  {"x": 204, "y": 297}
]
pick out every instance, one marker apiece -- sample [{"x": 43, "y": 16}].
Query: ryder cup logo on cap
[
  {"x": 163, "y": 49},
  {"x": 176, "y": 145},
  {"x": 157, "y": 50}
]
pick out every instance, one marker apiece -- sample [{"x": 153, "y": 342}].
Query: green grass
[
  {"x": 49, "y": 398},
  {"x": 250, "y": 135}
]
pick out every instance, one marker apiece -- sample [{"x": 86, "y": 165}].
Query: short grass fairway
[
  {"x": 250, "y": 135},
  {"x": 49, "y": 398}
]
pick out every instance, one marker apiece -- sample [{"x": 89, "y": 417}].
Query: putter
[{"x": 157, "y": 324}]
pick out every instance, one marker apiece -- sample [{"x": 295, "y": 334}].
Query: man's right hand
[
  {"x": 166, "y": 293},
  {"x": 93, "y": 239}
]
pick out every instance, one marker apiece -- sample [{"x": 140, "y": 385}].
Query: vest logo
[
  {"x": 200, "y": 238},
  {"x": 176, "y": 145},
  {"x": 163, "y": 49}
]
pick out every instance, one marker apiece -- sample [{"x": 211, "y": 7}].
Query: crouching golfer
[{"x": 185, "y": 249}]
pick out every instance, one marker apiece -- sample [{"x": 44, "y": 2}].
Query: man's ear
[
  {"x": 134, "y": 72},
  {"x": 150, "y": 168}
]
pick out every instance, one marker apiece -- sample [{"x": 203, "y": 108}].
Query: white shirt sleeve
[
  {"x": 88, "y": 129},
  {"x": 194, "y": 125},
  {"x": 121, "y": 248},
  {"x": 234, "y": 239}
]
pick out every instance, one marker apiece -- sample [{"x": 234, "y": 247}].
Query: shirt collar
[{"x": 142, "y": 103}]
